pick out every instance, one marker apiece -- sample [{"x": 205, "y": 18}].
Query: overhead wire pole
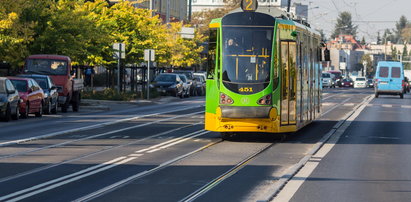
[{"x": 289, "y": 5}]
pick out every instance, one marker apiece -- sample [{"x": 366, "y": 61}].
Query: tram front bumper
[{"x": 219, "y": 122}]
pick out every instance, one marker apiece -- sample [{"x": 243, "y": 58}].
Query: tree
[
  {"x": 344, "y": 25},
  {"x": 366, "y": 59},
  {"x": 15, "y": 34},
  {"x": 406, "y": 34},
  {"x": 363, "y": 41},
  {"x": 378, "y": 39},
  {"x": 400, "y": 25}
]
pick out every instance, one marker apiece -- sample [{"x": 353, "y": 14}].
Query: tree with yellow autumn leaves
[{"x": 86, "y": 31}]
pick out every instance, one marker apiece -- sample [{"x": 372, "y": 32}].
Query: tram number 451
[{"x": 248, "y": 90}]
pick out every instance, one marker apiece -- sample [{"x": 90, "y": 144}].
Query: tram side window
[{"x": 212, "y": 50}]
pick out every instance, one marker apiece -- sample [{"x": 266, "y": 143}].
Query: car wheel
[
  {"x": 76, "y": 102},
  {"x": 16, "y": 116},
  {"x": 48, "y": 107},
  {"x": 65, "y": 106},
  {"x": 54, "y": 110},
  {"x": 7, "y": 115},
  {"x": 25, "y": 115},
  {"x": 40, "y": 112}
]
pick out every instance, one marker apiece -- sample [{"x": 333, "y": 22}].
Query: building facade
[{"x": 168, "y": 10}]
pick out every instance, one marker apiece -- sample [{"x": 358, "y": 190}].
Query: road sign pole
[
  {"x": 148, "y": 79},
  {"x": 118, "y": 69}
]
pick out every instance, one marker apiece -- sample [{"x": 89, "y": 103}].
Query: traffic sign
[
  {"x": 149, "y": 55},
  {"x": 119, "y": 50}
]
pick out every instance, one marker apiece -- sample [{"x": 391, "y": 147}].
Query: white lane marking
[
  {"x": 386, "y": 106},
  {"x": 89, "y": 127},
  {"x": 139, "y": 175},
  {"x": 370, "y": 105},
  {"x": 387, "y": 138},
  {"x": 406, "y": 106},
  {"x": 349, "y": 104},
  {"x": 177, "y": 142},
  {"x": 337, "y": 105},
  {"x": 98, "y": 135},
  {"x": 92, "y": 154},
  {"x": 81, "y": 174},
  {"x": 62, "y": 178},
  {"x": 71, "y": 180},
  {"x": 167, "y": 142},
  {"x": 295, "y": 182}
]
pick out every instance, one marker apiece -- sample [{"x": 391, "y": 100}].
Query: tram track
[
  {"x": 106, "y": 165},
  {"x": 52, "y": 184}
]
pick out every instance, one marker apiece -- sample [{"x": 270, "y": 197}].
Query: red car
[
  {"x": 347, "y": 83},
  {"x": 31, "y": 94}
]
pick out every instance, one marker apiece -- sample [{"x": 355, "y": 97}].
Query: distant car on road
[
  {"x": 370, "y": 83},
  {"x": 168, "y": 83},
  {"x": 347, "y": 82},
  {"x": 201, "y": 85},
  {"x": 50, "y": 92},
  {"x": 360, "y": 82},
  {"x": 406, "y": 85},
  {"x": 327, "y": 80},
  {"x": 190, "y": 79},
  {"x": 186, "y": 84},
  {"x": 9, "y": 100},
  {"x": 31, "y": 94}
]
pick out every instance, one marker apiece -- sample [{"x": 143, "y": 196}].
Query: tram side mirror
[{"x": 327, "y": 55}]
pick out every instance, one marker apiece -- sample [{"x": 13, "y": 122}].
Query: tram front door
[{"x": 288, "y": 83}]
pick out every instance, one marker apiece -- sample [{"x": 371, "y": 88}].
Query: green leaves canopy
[{"x": 86, "y": 31}]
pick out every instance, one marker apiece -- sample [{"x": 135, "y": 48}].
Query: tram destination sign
[{"x": 249, "y": 5}]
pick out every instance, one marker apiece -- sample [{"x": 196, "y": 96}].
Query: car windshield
[
  {"x": 46, "y": 66},
  {"x": 2, "y": 86},
  {"x": 166, "y": 78},
  {"x": 326, "y": 76},
  {"x": 42, "y": 82},
  {"x": 183, "y": 78},
  {"x": 360, "y": 79},
  {"x": 21, "y": 85},
  {"x": 187, "y": 74}
]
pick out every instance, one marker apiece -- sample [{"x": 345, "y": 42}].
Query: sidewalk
[{"x": 107, "y": 105}]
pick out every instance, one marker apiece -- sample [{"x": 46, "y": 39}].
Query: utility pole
[{"x": 289, "y": 5}]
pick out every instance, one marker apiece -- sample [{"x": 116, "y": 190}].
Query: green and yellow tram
[{"x": 263, "y": 75}]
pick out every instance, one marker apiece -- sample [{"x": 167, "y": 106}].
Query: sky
[{"x": 371, "y": 16}]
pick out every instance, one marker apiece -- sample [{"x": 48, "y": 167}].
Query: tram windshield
[{"x": 246, "y": 56}]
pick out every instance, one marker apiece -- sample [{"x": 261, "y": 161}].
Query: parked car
[
  {"x": 348, "y": 82},
  {"x": 9, "y": 100},
  {"x": 50, "y": 92},
  {"x": 370, "y": 83},
  {"x": 360, "y": 82},
  {"x": 186, "y": 85},
  {"x": 389, "y": 79},
  {"x": 327, "y": 80},
  {"x": 190, "y": 77},
  {"x": 31, "y": 94},
  {"x": 168, "y": 83},
  {"x": 201, "y": 85}
]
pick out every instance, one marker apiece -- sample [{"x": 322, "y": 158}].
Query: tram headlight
[
  {"x": 225, "y": 99},
  {"x": 265, "y": 100}
]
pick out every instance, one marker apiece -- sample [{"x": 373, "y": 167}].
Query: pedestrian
[{"x": 89, "y": 73}]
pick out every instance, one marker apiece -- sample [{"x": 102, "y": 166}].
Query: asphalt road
[
  {"x": 161, "y": 153},
  {"x": 371, "y": 161}
]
